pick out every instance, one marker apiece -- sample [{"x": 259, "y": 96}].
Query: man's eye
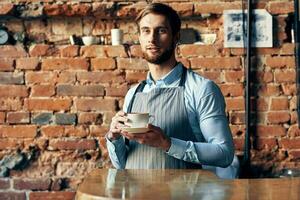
[
  {"x": 145, "y": 30},
  {"x": 162, "y": 30}
]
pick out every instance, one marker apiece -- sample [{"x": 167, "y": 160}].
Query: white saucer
[{"x": 135, "y": 130}]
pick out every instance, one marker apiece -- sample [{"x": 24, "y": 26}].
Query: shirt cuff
[
  {"x": 177, "y": 149},
  {"x": 112, "y": 144}
]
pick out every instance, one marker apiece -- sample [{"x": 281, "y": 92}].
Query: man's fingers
[{"x": 153, "y": 128}]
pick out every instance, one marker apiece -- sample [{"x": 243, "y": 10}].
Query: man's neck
[{"x": 159, "y": 70}]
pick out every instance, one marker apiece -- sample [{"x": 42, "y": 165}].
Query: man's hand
[
  {"x": 153, "y": 137},
  {"x": 116, "y": 124}
]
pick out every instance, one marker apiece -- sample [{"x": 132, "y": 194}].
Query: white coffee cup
[
  {"x": 89, "y": 40},
  {"x": 116, "y": 36},
  {"x": 137, "y": 120}
]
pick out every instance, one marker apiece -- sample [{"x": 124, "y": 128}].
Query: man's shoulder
[{"x": 200, "y": 85}]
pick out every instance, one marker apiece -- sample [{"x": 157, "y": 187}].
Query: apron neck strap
[{"x": 183, "y": 77}]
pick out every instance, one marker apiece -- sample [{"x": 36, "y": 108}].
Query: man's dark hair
[{"x": 162, "y": 9}]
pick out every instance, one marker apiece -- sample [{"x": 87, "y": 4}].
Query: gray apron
[{"x": 168, "y": 111}]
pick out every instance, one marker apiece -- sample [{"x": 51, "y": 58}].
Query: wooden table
[{"x": 182, "y": 184}]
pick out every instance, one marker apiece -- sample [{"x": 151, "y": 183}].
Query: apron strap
[
  {"x": 138, "y": 89},
  {"x": 183, "y": 77}
]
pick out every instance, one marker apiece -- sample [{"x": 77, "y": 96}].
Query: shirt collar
[{"x": 167, "y": 79}]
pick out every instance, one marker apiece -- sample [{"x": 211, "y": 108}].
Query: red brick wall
[{"x": 60, "y": 98}]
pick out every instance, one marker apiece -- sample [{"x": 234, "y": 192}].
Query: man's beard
[{"x": 159, "y": 59}]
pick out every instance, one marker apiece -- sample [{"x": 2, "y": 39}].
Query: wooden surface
[{"x": 182, "y": 184}]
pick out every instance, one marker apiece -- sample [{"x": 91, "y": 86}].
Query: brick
[
  {"x": 2, "y": 117},
  {"x": 42, "y": 90},
  {"x": 278, "y": 117},
  {"x": 95, "y": 104},
  {"x": 285, "y": 76},
  {"x": 43, "y": 50},
  {"x": 136, "y": 51},
  {"x": 6, "y": 8},
  {"x": 67, "y": 9},
  {"x": 19, "y": 131},
  {"x": 260, "y": 104},
  {"x": 130, "y": 10},
  {"x": 69, "y": 51},
  {"x": 133, "y": 77},
  {"x": 191, "y": 50},
  {"x": 294, "y": 117},
  {"x": 6, "y": 64},
  {"x": 269, "y": 90},
  {"x": 67, "y": 77},
  {"x": 42, "y": 118},
  {"x": 238, "y": 143},
  {"x": 103, "y": 9},
  {"x": 281, "y": 62},
  {"x": 65, "y": 118},
  {"x": 234, "y": 76},
  {"x": 270, "y": 131},
  {"x": 233, "y": 90},
  {"x": 90, "y": 118},
  {"x": 183, "y": 9},
  {"x": 80, "y": 90},
  {"x": 119, "y": 91},
  {"x": 116, "y": 51},
  {"x": 31, "y": 184},
  {"x": 11, "y": 78},
  {"x": 52, "y": 195},
  {"x": 211, "y": 75},
  {"x": 57, "y": 184},
  {"x": 186, "y": 63},
  {"x": 13, "y": 195},
  {"x": 294, "y": 131},
  {"x": 103, "y": 63},
  {"x": 6, "y": 144},
  {"x": 67, "y": 26},
  {"x": 107, "y": 117},
  {"x": 9, "y": 51},
  {"x": 18, "y": 118},
  {"x": 27, "y": 63},
  {"x": 4, "y": 183},
  {"x": 41, "y": 77},
  {"x": 237, "y": 118},
  {"x": 279, "y": 104},
  {"x": 101, "y": 77},
  {"x": 290, "y": 143},
  {"x": 78, "y": 144},
  {"x": 294, "y": 154},
  {"x": 216, "y": 63},
  {"x": 98, "y": 131},
  {"x": 288, "y": 49},
  {"x": 215, "y": 8},
  {"x": 265, "y": 77},
  {"x": 53, "y": 131},
  {"x": 237, "y": 130},
  {"x": 8, "y": 104},
  {"x": 132, "y": 64},
  {"x": 281, "y": 7},
  {"x": 76, "y": 131},
  {"x": 47, "y": 104},
  {"x": 92, "y": 51},
  {"x": 235, "y": 104},
  {"x": 65, "y": 64},
  {"x": 267, "y": 143},
  {"x": 13, "y": 91},
  {"x": 293, "y": 103},
  {"x": 289, "y": 89}
]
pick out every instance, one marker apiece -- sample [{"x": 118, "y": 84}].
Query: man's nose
[{"x": 153, "y": 37}]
